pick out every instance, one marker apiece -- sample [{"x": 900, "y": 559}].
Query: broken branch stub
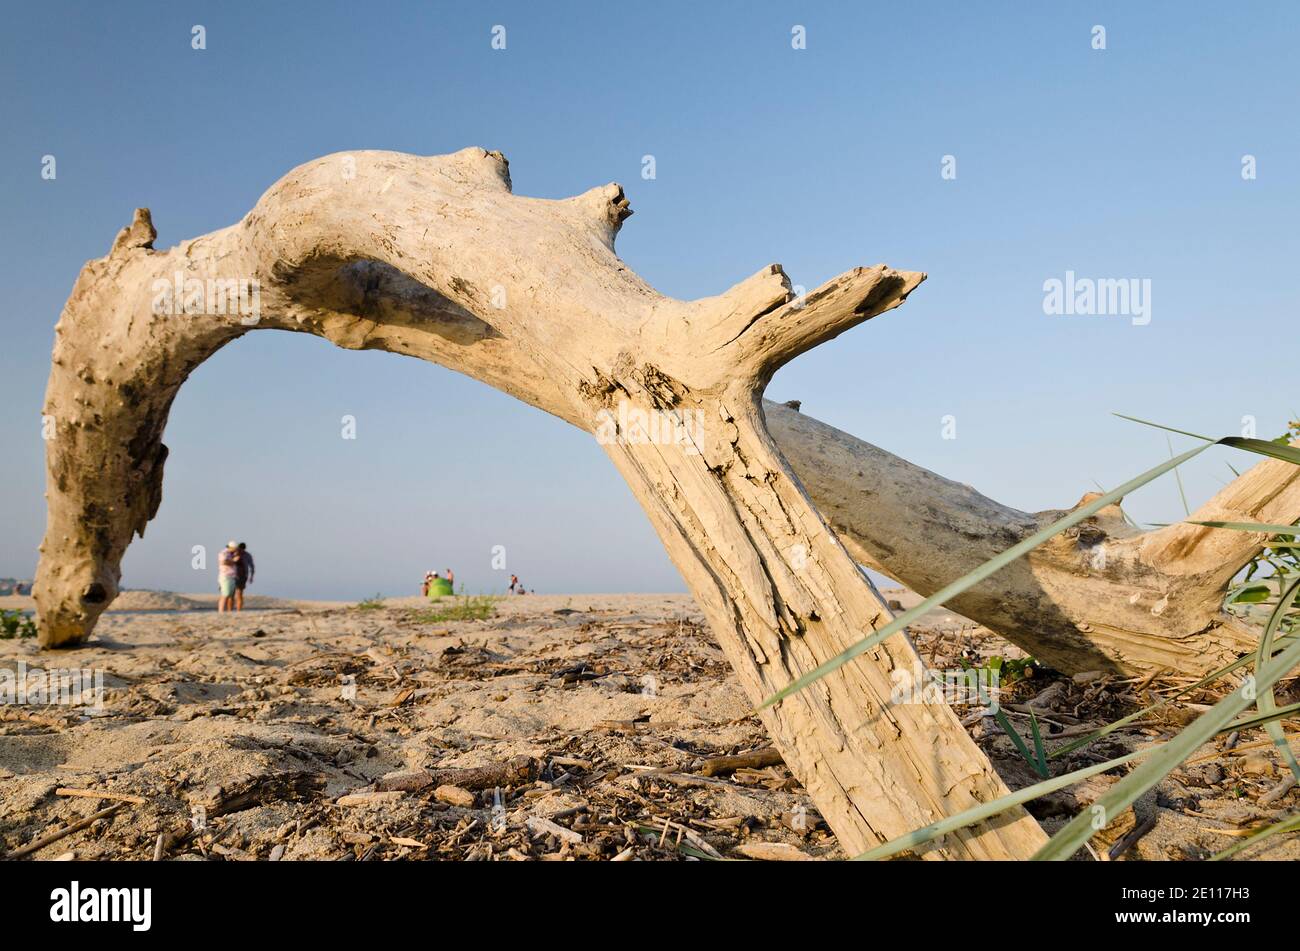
[{"x": 436, "y": 258}]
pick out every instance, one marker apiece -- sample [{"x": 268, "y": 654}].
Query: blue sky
[{"x": 1122, "y": 163}]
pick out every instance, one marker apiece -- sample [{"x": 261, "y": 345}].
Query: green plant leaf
[
  {"x": 1252, "y": 527},
  {"x": 1290, "y": 824},
  {"x": 1280, "y": 713},
  {"x": 1160, "y": 704},
  {"x": 1250, "y": 594},
  {"x": 1179, "y": 479},
  {"x": 1266, "y": 703},
  {"x": 1039, "y": 753},
  {"x": 997, "y": 563},
  {"x": 978, "y": 814},
  {"x": 990, "y": 567},
  {"x": 1079, "y": 829},
  {"x": 1263, "y": 447},
  {"x": 1005, "y": 722},
  {"x": 988, "y": 810}
]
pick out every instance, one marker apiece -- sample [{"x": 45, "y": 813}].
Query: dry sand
[
  {"x": 134, "y": 601},
  {"x": 615, "y": 703}
]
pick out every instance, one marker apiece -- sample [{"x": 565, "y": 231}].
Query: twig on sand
[
  {"x": 100, "y": 794},
  {"x": 677, "y": 779},
  {"x": 513, "y": 772},
  {"x": 756, "y": 759},
  {"x": 773, "y": 852},
  {"x": 368, "y": 798},
  {"x": 254, "y": 789},
  {"x": 687, "y": 834},
  {"x": 1131, "y": 837},
  {"x": 77, "y": 826},
  {"x": 539, "y": 825}
]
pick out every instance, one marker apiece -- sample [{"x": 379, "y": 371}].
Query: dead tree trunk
[
  {"x": 1103, "y": 596},
  {"x": 435, "y": 257}
]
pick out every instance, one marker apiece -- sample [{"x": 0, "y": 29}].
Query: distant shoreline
[{"x": 160, "y": 602}]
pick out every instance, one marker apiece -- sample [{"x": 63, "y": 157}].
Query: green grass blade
[
  {"x": 1106, "y": 730},
  {"x": 1039, "y": 753},
  {"x": 1290, "y": 824},
  {"x": 1281, "y": 713},
  {"x": 1168, "y": 429},
  {"x": 990, "y": 567},
  {"x": 1266, "y": 703},
  {"x": 1264, "y": 448},
  {"x": 1158, "y": 705},
  {"x": 1182, "y": 494},
  {"x": 1000, "y": 715},
  {"x": 1003, "y": 721},
  {"x": 988, "y": 810},
  {"x": 1250, "y": 594},
  {"x": 1261, "y": 446},
  {"x": 1079, "y": 829},
  {"x": 1252, "y": 527}
]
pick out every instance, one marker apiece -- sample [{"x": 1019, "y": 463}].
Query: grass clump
[
  {"x": 462, "y": 607},
  {"x": 1275, "y": 657},
  {"x": 372, "y": 603},
  {"x": 16, "y": 624}
]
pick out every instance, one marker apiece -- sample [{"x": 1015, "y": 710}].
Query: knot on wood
[
  {"x": 603, "y": 392},
  {"x": 664, "y": 391}
]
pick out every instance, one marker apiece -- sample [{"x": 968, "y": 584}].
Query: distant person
[
  {"x": 451, "y": 579},
  {"x": 227, "y": 575},
  {"x": 243, "y": 575},
  {"x": 428, "y": 580},
  {"x": 514, "y": 583}
]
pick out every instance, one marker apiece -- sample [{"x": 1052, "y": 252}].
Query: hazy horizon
[{"x": 1072, "y": 163}]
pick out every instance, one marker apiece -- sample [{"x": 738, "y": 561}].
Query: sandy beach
[{"x": 561, "y": 727}]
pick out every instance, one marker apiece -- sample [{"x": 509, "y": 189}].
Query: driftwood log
[
  {"x": 1103, "y": 596},
  {"x": 435, "y": 257}
]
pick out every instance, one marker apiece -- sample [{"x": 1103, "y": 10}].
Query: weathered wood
[
  {"x": 100, "y": 794},
  {"x": 454, "y": 796},
  {"x": 540, "y": 825},
  {"x": 434, "y": 257},
  {"x": 512, "y": 772},
  {"x": 49, "y": 839},
  {"x": 255, "y": 789},
  {"x": 773, "y": 852},
  {"x": 1152, "y": 601},
  {"x": 721, "y": 765},
  {"x": 1103, "y": 596}
]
